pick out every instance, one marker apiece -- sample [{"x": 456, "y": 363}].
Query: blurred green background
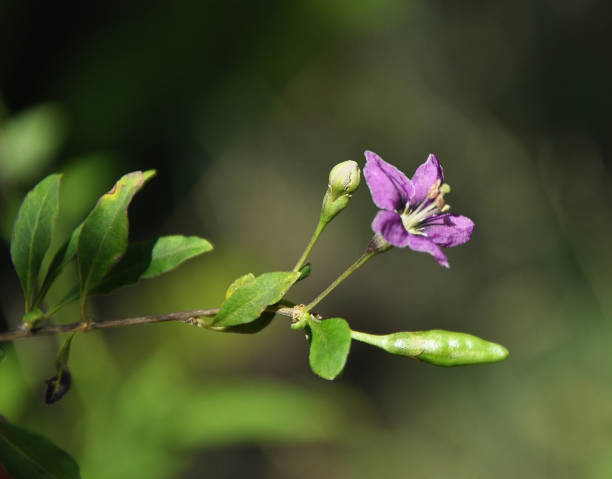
[{"x": 243, "y": 107}]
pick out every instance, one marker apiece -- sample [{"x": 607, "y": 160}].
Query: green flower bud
[
  {"x": 344, "y": 178},
  {"x": 438, "y": 347}
]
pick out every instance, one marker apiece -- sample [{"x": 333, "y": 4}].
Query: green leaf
[
  {"x": 238, "y": 282},
  {"x": 61, "y": 259},
  {"x": 104, "y": 236},
  {"x": 148, "y": 259},
  {"x": 254, "y": 326},
  {"x": 171, "y": 251},
  {"x": 330, "y": 343},
  {"x": 249, "y": 300},
  {"x": 26, "y": 455},
  {"x": 32, "y": 233},
  {"x": 144, "y": 260}
]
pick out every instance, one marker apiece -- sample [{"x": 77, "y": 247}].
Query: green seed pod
[{"x": 438, "y": 347}]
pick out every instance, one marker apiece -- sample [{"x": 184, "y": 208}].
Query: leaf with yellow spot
[{"x": 104, "y": 236}]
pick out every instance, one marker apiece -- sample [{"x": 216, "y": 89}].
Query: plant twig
[{"x": 184, "y": 316}]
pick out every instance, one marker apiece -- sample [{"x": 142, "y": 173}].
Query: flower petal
[
  {"x": 424, "y": 177},
  {"x": 389, "y": 225},
  {"x": 424, "y": 244},
  {"x": 449, "y": 230},
  {"x": 390, "y": 188}
]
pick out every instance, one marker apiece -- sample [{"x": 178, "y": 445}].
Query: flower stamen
[
  {"x": 434, "y": 190},
  {"x": 414, "y": 220}
]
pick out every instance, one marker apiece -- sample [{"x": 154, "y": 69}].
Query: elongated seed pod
[{"x": 438, "y": 347}]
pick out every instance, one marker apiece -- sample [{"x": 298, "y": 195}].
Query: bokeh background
[{"x": 243, "y": 107}]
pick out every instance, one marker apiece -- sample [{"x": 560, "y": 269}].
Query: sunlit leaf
[
  {"x": 330, "y": 343},
  {"x": 148, "y": 259},
  {"x": 27, "y": 455},
  {"x": 104, "y": 236},
  {"x": 171, "y": 251},
  {"x": 250, "y": 299},
  {"x": 237, "y": 283},
  {"x": 32, "y": 233}
]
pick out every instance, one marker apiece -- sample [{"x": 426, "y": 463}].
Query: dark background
[{"x": 243, "y": 107}]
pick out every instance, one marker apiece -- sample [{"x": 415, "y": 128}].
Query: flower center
[{"x": 414, "y": 219}]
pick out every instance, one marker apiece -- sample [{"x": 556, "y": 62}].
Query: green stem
[
  {"x": 363, "y": 337},
  {"x": 57, "y": 307},
  {"x": 41, "y": 294},
  {"x": 383, "y": 341},
  {"x": 318, "y": 230},
  {"x": 351, "y": 269},
  {"x": 83, "y": 312}
]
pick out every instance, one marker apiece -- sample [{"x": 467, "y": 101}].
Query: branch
[{"x": 188, "y": 317}]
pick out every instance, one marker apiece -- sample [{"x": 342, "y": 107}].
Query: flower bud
[
  {"x": 344, "y": 178},
  {"x": 59, "y": 384},
  {"x": 438, "y": 347}
]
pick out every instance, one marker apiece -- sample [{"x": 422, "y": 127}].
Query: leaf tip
[{"x": 148, "y": 174}]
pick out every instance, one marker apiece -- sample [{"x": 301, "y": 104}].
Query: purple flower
[{"x": 414, "y": 213}]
